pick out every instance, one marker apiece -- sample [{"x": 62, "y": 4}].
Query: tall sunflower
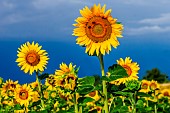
[
  {"x": 131, "y": 68},
  {"x": 23, "y": 94},
  {"x": 97, "y": 30},
  {"x": 31, "y": 58}
]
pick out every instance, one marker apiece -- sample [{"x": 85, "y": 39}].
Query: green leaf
[
  {"x": 87, "y": 80},
  {"x": 43, "y": 76},
  {"x": 17, "y": 107},
  {"x": 123, "y": 93},
  {"x": 85, "y": 89},
  {"x": 84, "y": 100},
  {"x": 141, "y": 94},
  {"x": 106, "y": 78},
  {"x": 124, "y": 109},
  {"x": 139, "y": 104},
  {"x": 88, "y": 99},
  {"x": 118, "y": 22},
  {"x": 116, "y": 71},
  {"x": 148, "y": 108}
]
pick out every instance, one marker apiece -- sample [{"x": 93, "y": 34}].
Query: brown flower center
[
  {"x": 33, "y": 58},
  {"x": 98, "y": 29},
  {"x": 23, "y": 94},
  {"x": 128, "y": 69},
  {"x": 166, "y": 93},
  {"x": 144, "y": 86},
  {"x": 92, "y": 94},
  {"x": 153, "y": 86}
]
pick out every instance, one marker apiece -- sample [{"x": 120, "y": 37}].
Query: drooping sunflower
[
  {"x": 31, "y": 58},
  {"x": 131, "y": 68},
  {"x": 23, "y": 94},
  {"x": 65, "y": 69},
  {"x": 97, "y": 30},
  {"x": 145, "y": 86}
]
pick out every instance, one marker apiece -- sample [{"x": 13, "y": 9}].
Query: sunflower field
[{"x": 115, "y": 91}]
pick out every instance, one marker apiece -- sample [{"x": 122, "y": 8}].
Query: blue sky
[{"x": 49, "y": 22}]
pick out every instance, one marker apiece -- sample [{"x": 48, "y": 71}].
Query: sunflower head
[
  {"x": 31, "y": 58},
  {"x": 145, "y": 86},
  {"x": 97, "y": 30},
  {"x": 131, "y": 68},
  {"x": 23, "y": 94},
  {"x": 70, "y": 81},
  {"x": 51, "y": 82},
  {"x": 9, "y": 85},
  {"x": 65, "y": 69},
  {"x": 164, "y": 93},
  {"x": 8, "y": 88},
  {"x": 154, "y": 85}
]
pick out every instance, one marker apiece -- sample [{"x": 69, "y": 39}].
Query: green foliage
[
  {"x": 156, "y": 75},
  {"x": 116, "y": 71},
  {"x": 43, "y": 76},
  {"x": 132, "y": 85}
]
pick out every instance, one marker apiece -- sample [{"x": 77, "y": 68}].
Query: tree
[{"x": 156, "y": 75}]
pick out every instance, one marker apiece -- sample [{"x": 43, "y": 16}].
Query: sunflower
[
  {"x": 9, "y": 85},
  {"x": 8, "y": 88},
  {"x": 131, "y": 68},
  {"x": 23, "y": 94},
  {"x": 31, "y": 58},
  {"x": 70, "y": 80},
  {"x": 154, "y": 85},
  {"x": 51, "y": 82},
  {"x": 145, "y": 86},
  {"x": 97, "y": 30},
  {"x": 65, "y": 69},
  {"x": 165, "y": 93}
]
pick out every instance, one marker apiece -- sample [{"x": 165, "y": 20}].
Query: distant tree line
[{"x": 155, "y": 74}]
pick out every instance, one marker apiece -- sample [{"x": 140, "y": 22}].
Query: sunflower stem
[
  {"x": 41, "y": 95},
  {"x": 134, "y": 102},
  {"x": 104, "y": 83},
  {"x": 75, "y": 104},
  {"x": 155, "y": 107}
]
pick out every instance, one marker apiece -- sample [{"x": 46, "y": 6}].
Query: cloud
[
  {"x": 146, "y": 2},
  {"x": 147, "y": 30},
  {"x": 164, "y": 19}
]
